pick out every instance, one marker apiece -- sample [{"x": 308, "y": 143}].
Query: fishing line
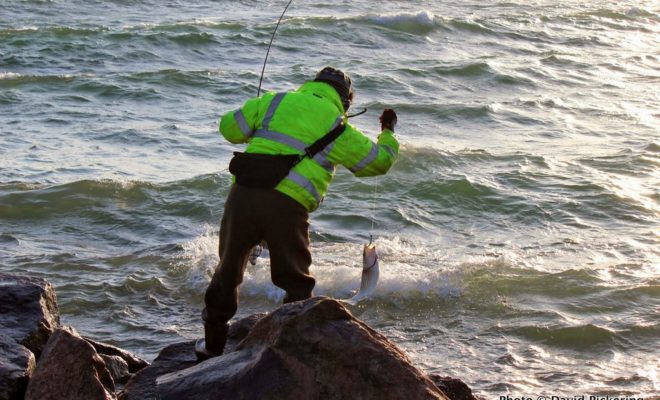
[
  {"x": 374, "y": 200},
  {"x": 269, "y": 46},
  {"x": 373, "y": 212}
]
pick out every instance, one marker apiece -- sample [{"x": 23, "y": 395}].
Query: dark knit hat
[{"x": 338, "y": 80}]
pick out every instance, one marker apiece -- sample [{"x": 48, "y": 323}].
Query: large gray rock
[
  {"x": 118, "y": 368},
  {"x": 253, "y": 373},
  {"x": 178, "y": 357},
  {"x": 70, "y": 368},
  {"x": 306, "y": 350},
  {"x": 17, "y": 364},
  {"x": 142, "y": 386},
  {"x": 28, "y": 310}
]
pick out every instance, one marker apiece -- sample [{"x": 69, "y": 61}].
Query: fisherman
[{"x": 281, "y": 177}]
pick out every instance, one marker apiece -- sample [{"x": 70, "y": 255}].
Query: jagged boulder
[
  {"x": 313, "y": 349},
  {"x": 28, "y": 310},
  {"x": 118, "y": 368},
  {"x": 142, "y": 386},
  {"x": 70, "y": 368},
  {"x": 17, "y": 364},
  {"x": 178, "y": 357}
]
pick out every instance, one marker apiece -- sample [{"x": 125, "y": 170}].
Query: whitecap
[
  {"x": 422, "y": 21},
  {"x": 9, "y": 75}
]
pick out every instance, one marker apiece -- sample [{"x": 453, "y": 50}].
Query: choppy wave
[
  {"x": 97, "y": 47},
  {"x": 140, "y": 86},
  {"x": 60, "y": 201},
  {"x": 632, "y": 13},
  {"x": 104, "y": 197},
  {"x": 53, "y": 31},
  {"x": 521, "y": 185},
  {"x": 14, "y": 79},
  {"x": 418, "y": 23},
  {"x": 186, "y": 26},
  {"x": 424, "y": 22},
  {"x": 175, "y": 77},
  {"x": 174, "y": 30},
  {"x": 585, "y": 337}
]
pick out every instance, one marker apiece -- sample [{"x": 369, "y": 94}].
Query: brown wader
[{"x": 250, "y": 216}]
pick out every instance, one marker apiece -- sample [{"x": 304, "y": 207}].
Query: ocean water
[{"x": 518, "y": 232}]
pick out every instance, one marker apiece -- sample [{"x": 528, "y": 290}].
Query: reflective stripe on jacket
[{"x": 286, "y": 123}]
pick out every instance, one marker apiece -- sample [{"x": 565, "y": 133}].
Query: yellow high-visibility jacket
[{"x": 287, "y": 123}]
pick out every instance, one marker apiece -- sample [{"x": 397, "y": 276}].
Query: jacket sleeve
[
  {"x": 363, "y": 157},
  {"x": 239, "y": 126}
]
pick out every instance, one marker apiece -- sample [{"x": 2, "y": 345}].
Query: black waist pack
[
  {"x": 261, "y": 170},
  {"x": 267, "y": 170}
]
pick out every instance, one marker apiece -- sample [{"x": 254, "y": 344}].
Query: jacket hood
[{"x": 323, "y": 90}]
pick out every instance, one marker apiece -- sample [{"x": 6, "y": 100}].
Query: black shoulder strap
[{"x": 328, "y": 138}]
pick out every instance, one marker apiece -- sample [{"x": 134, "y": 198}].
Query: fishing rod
[
  {"x": 271, "y": 44},
  {"x": 272, "y": 38},
  {"x": 364, "y": 110}
]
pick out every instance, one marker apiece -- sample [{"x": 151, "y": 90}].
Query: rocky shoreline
[{"x": 314, "y": 349}]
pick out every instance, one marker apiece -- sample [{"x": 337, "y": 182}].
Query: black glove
[{"x": 388, "y": 119}]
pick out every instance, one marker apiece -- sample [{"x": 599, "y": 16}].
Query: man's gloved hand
[{"x": 388, "y": 119}]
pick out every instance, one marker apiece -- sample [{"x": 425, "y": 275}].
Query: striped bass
[{"x": 370, "y": 273}]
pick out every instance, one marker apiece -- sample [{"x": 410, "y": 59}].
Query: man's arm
[
  {"x": 238, "y": 126},
  {"x": 362, "y": 156}
]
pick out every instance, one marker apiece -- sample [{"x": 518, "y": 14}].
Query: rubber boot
[{"x": 213, "y": 344}]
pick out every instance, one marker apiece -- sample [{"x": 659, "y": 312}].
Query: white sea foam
[
  {"x": 122, "y": 182},
  {"x": 16, "y": 75},
  {"x": 407, "y": 270},
  {"x": 199, "y": 258},
  {"x": 202, "y": 251},
  {"x": 421, "y": 19},
  {"x": 9, "y": 75},
  {"x": 26, "y": 28}
]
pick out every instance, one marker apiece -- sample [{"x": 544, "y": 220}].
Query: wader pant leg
[
  {"x": 286, "y": 232},
  {"x": 252, "y": 215},
  {"x": 239, "y": 233}
]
